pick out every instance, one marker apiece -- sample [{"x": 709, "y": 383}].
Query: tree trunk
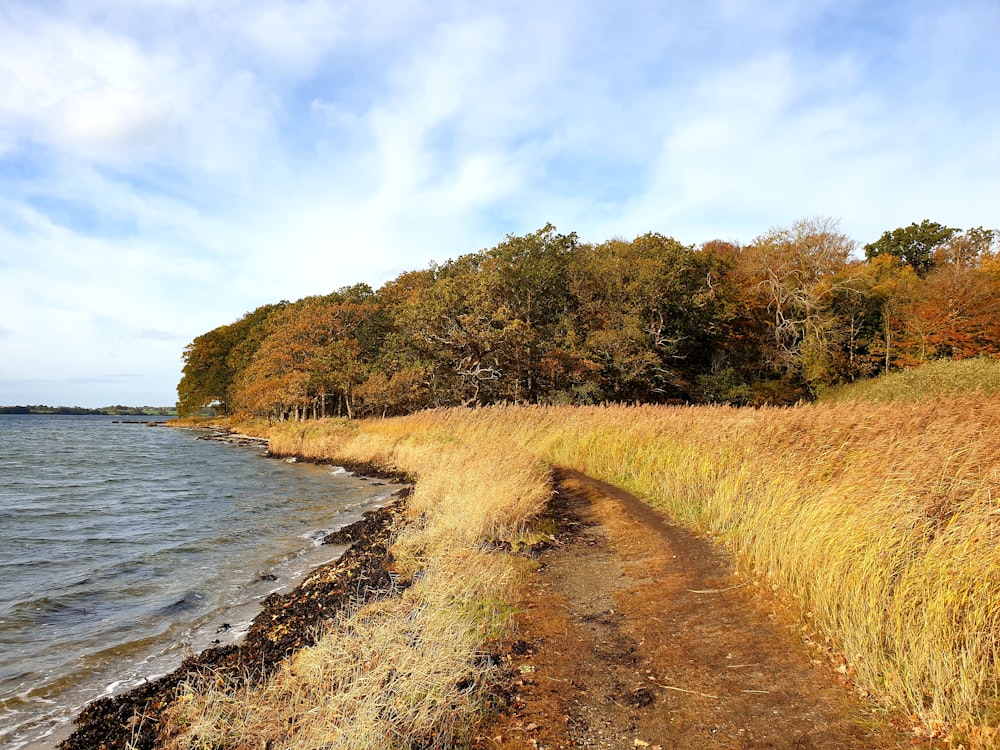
[
  {"x": 887, "y": 344},
  {"x": 851, "y": 351}
]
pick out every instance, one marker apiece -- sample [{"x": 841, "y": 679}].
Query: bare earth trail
[{"x": 637, "y": 634}]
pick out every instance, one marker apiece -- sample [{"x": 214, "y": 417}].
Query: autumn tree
[
  {"x": 214, "y": 360},
  {"x": 311, "y": 355},
  {"x": 402, "y": 391},
  {"x": 545, "y": 318},
  {"x": 793, "y": 272},
  {"x": 955, "y": 314},
  {"x": 972, "y": 248}
]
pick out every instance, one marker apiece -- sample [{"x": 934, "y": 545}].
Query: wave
[{"x": 126, "y": 549}]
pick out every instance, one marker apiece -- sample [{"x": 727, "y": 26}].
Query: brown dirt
[{"x": 637, "y": 633}]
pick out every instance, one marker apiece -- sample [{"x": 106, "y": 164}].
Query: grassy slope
[
  {"x": 931, "y": 380},
  {"x": 882, "y": 520}
]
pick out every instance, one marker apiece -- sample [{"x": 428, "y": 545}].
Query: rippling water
[{"x": 125, "y": 547}]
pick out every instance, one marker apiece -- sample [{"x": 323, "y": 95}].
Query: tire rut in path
[{"x": 637, "y": 634}]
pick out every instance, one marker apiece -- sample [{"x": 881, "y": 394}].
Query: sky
[{"x": 169, "y": 165}]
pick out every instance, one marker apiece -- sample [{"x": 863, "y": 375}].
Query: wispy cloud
[
  {"x": 167, "y": 166},
  {"x": 153, "y": 334}
]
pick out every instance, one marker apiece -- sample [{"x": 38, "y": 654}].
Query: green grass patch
[{"x": 944, "y": 377}]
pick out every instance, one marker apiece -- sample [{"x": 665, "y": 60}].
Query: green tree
[
  {"x": 522, "y": 302},
  {"x": 650, "y": 313},
  {"x": 205, "y": 378},
  {"x": 440, "y": 331},
  {"x": 400, "y": 321},
  {"x": 913, "y": 245},
  {"x": 869, "y": 299},
  {"x": 487, "y": 326}
]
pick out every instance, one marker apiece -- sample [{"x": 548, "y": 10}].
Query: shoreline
[
  {"x": 285, "y": 623},
  {"x": 359, "y": 468}
]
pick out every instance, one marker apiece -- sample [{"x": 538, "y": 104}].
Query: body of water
[{"x": 124, "y": 548}]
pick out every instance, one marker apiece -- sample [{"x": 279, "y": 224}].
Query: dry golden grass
[
  {"x": 406, "y": 669},
  {"x": 393, "y": 672},
  {"x": 881, "y": 520}
]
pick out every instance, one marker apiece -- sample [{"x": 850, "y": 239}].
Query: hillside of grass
[
  {"x": 880, "y": 523},
  {"x": 945, "y": 377}
]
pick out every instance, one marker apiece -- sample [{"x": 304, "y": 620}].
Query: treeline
[
  {"x": 545, "y": 318},
  {"x": 117, "y": 411}
]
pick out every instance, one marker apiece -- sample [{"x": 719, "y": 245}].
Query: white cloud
[
  {"x": 293, "y": 35},
  {"x": 108, "y": 122},
  {"x": 791, "y": 133},
  {"x": 153, "y": 334},
  {"x": 51, "y": 64},
  {"x": 96, "y": 93},
  {"x": 169, "y": 165}
]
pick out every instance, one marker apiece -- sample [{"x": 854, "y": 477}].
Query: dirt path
[{"x": 637, "y": 634}]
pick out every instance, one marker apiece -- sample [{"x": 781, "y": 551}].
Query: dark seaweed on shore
[{"x": 287, "y": 623}]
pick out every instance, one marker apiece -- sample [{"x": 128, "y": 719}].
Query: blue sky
[{"x": 168, "y": 165}]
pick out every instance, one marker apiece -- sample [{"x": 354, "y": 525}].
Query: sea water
[{"x": 125, "y": 548}]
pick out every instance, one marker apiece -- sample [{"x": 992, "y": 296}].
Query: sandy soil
[{"x": 636, "y": 633}]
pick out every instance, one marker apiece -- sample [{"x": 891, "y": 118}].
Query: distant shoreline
[{"x": 81, "y": 411}]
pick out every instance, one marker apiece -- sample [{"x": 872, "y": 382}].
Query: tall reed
[
  {"x": 882, "y": 520},
  {"x": 404, "y": 671}
]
